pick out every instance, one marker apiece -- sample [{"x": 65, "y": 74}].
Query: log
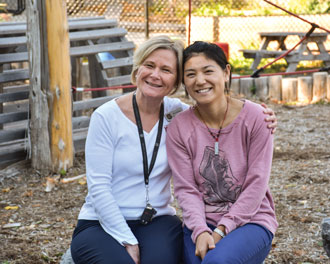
[
  {"x": 328, "y": 88},
  {"x": 305, "y": 89},
  {"x": 326, "y": 235},
  {"x": 59, "y": 84},
  {"x": 275, "y": 87},
  {"x": 234, "y": 86},
  {"x": 289, "y": 89},
  {"x": 261, "y": 84},
  {"x": 247, "y": 86},
  {"x": 38, "y": 60},
  {"x": 319, "y": 86}
]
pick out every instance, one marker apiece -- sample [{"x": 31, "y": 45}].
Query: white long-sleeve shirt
[{"x": 114, "y": 169}]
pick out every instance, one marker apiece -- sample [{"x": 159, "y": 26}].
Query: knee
[{"x": 213, "y": 258}]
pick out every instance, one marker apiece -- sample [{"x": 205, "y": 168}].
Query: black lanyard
[{"x": 147, "y": 171}]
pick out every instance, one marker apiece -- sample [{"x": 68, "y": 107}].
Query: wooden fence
[{"x": 97, "y": 39}]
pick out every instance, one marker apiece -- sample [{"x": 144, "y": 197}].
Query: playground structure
[{"x": 104, "y": 42}]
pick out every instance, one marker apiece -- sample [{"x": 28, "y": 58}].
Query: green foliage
[
  {"x": 63, "y": 172},
  {"x": 214, "y": 8},
  {"x": 242, "y": 8}
]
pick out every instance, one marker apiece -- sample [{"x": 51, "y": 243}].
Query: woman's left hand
[{"x": 271, "y": 118}]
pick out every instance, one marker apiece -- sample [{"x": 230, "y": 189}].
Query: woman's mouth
[
  {"x": 203, "y": 90},
  {"x": 154, "y": 84}
]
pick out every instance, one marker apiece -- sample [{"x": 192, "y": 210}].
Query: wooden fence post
[
  {"x": 305, "y": 89},
  {"x": 289, "y": 89},
  {"x": 50, "y": 78},
  {"x": 261, "y": 84},
  {"x": 275, "y": 87},
  {"x": 328, "y": 88},
  {"x": 246, "y": 86},
  {"x": 319, "y": 86}
]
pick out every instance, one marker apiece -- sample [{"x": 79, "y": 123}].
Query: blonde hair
[{"x": 152, "y": 44}]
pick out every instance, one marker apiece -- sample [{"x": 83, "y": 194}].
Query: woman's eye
[
  {"x": 166, "y": 70},
  {"x": 148, "y": 65},
  {"x": 190, "y": 75}
]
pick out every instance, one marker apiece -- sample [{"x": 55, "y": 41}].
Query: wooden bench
[
  {"x": 88, "y": 38},
  {"x": 301, "y": 53}
]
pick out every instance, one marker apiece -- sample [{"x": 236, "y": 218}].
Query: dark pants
[
  {"x": 159, "y": 242},
  {"x": 248, "y": 244}
]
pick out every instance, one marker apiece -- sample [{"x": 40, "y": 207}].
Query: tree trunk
[{"x": 50, "y": 79}]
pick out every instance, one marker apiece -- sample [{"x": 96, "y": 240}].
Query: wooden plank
[
  {"x": 108, "y": 47},
  {"x": 12, "y": 153},
  {"x": 17, "y": 106},
  {"x": 9, "y": 97},
  {"x": 12, "y": 134},
  {"x": 92, "y": 103},
  {"x": 80, "y": 122},
  {"x": 13, "y": 57},
  {"x": 16, "y": 88},
  {"x": 79, "y": 139},
  {"x": 74, "y": 36},
  {"x": 122, "y": 62},
  {"x": 263, "y": 53},
  {"x": 97, "y": 34},
  {"x": 12, "y": 41},
  {"x": 119, "y": 80},
  {"x": 89, "y": 23},
  {"x": 300, "y": 34},
  {"x": 23, "y": 56},
  {"x": 20, "y": 28},
  {"x": 14, "y": 75},
  {"x": 12, "y": 117}
]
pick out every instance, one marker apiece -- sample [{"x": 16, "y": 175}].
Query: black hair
[{"x": 209, "y": 50}]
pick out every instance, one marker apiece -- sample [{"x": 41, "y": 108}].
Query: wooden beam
[
  {"x": 36, "y": 34},
  {"x": 60, "y": 84}
]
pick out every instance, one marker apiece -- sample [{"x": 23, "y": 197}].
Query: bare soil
[{"x": 36, "y": 226}]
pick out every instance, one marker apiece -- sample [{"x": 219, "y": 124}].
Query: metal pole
[{"x": 146, "y": 31}]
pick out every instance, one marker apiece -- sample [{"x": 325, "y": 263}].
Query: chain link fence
[{"x": 236, "y": 22}]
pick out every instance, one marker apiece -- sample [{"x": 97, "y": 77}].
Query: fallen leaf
[
  {"x": 27, "y": 194},
  {"x": 11, "y": 225},
  {"x": 5, "y": 190},
  {"x": 50, "y": 184},
  {"x": 11, "y": 207}
]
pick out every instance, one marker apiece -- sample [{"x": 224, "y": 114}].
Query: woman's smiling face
[
  {"x": 157, "y": 75},
  {"x": 204, "y": 79}
]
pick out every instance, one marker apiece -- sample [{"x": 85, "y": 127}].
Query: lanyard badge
[{"x": 149, "y": 211}]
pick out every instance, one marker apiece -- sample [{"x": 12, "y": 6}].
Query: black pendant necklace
[{"x": 216, "y": 136}]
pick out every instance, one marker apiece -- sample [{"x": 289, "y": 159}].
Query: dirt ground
[{"x": 36, "y": 226}]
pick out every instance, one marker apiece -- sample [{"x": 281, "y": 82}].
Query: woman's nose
[
  {"x": 155, "y": 73},
  {"x": 200, "y": 79}
]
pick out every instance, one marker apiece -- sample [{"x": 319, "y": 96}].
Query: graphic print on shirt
[{"x": 221, "y": 187}]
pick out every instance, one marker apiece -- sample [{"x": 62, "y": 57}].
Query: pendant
[{"x": 216, "y": 148}]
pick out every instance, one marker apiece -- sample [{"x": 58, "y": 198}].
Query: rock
[
  {"x": 326, "y": 235},
  {"x": 66, "y": 258}
]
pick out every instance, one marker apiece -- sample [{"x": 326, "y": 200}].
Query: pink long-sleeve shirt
[{"x": 230, "y": 188}]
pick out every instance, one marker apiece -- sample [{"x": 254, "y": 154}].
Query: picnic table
[{"x": 302, "y": 53}]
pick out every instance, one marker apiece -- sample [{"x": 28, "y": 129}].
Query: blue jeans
[
  {"x": 248, "y": 244},
  {"x": 159, "y": 242}
]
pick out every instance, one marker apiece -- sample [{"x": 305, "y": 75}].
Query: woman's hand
[
  {"x": 271, "y": 118},
  {"x": 134, "y": 252},
  {"x": 204, "y": 243}
]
